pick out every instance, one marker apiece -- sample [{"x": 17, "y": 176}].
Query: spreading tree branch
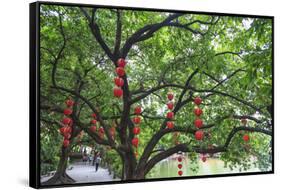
[
  {"x": 146, "y": 32},
  {"x": 227, "y": 95},
  {"x": 184, "y": 148},
  {"x": 227, "y": 78},
  {"x": 118, "y": 33},
  {"x": 75, "y": 93},
  {"x": 96, "y": 32}
]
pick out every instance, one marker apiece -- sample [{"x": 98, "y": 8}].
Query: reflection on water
[{"x": 168, "y": 168}]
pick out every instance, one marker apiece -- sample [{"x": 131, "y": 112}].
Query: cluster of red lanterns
[
  {"x": 246, "y": 137},
  {"x": 67, "y": 122},
  {"x": 118, "y": 81},
  {"x": 180, "y": 172},
  {"x": 170, "y": 125},
  {"x": 94, "y": 127},
  {"x": 170, "y": 115},
  {"x": 179, "y": 158},
  {"x": 198, "y": 122},
  {"x": 136, "y": 129}
]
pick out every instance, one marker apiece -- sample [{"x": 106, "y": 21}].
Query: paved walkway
[{"x": 83, "y": 173}]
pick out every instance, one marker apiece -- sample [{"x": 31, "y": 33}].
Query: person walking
[
  {"x": 90, "y": 159},
  {"x": 84, "y": 156},
  {"x": 95, "y": 157},
  {"x": 98, "y": 160}
]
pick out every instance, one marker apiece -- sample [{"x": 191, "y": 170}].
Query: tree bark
[
  {"x": 129, "y": 164},
  {"x": 128, "y": 170},
  {"x": 61, "y": 176}
]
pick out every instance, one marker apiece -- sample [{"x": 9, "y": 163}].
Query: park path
[{"x": 83, "y": 173}]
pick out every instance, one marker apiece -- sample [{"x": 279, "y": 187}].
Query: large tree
[{"x": 224, "y": 60}]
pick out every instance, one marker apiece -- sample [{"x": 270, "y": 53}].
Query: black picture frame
[{"x": 34, "y": 91}]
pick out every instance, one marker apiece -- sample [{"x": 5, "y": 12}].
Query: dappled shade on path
[{"x": 83, "y": 173}]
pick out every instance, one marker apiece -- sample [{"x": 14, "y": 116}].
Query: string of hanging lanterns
[
  {"x": 136, "y": 129},
  {"x": 118, "y": 81},
  {"x": 67, "y": 122},
  {"x": 198, "y": 122}
]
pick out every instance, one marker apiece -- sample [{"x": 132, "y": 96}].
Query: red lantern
[
  {"x": 65, "y": 143},
  {"x": 170, "y": 125},
  {"x": 71, "y": 122},
  {"x": 93, "y": 128},
  {"x": 197, "y": 100},
  {"x": 120, "y": 71},
  {"x": 101, "y": 130},
  {"x": 69, "y": 103},
  {"x": 118, "y": 92},
  {"x": 198, "y": 111},
  {"x": 170, "y": 96},
  {"x": 199, "y": 135},
  {"x": 138, "y": 110},
  {"x": 180, "y": 173},
  {"x": 170, "y": 105},
  {"x": 179, "y": 159},
  {"x": 198, "y": 123},
  {"x": 179, "y": 166},
  {"x": 112, "y": 131},
  {"x": 67, "y": 111},
  {"x": 121, "y": 62},
  {"x": 67, "y": 121},
  {"x": 204, "y": 158},
  {"x": 67, "y": 129},
  {"x": 93, "y": 121},
  {"x": 101, "y": 135},
  {"x": 94, "y": 116},
  {"x": 62, "y": 129},
  {"x": 118, "y": 81},
  {"x": 170, "y": 115},
  {"x": 136, "y": 130},
  {"x": 246, "y": 138},
  {"x": 135, "y": 142},
  {"x": 67, "y": 136},
  {"x": 136, "y": 120}
]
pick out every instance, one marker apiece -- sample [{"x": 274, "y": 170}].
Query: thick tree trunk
[
  {"x": 139, "y": 174},
  {"x": 130, "y": 170},
  {"x": 61, "y": 176},
  {"x": 132, "y": 174}
]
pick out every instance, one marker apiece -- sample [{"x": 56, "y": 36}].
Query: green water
[{"x": 168, "y": 168}]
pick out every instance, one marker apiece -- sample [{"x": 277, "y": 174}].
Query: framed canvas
[{"x": 123, "y": 94}]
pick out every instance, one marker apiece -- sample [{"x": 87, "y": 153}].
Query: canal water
[{"x": 168, "y": 168}]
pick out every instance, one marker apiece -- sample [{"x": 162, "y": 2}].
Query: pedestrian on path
[
  {"x": 90, "y": 159},
  {"x": 98, "y": 160},
  {"x": 95, "y": 157}
]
